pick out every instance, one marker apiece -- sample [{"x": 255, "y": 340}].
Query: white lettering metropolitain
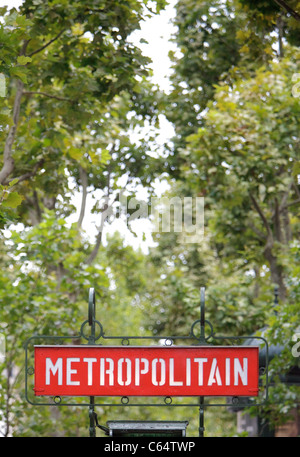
[{"x": 74, "y": 371}]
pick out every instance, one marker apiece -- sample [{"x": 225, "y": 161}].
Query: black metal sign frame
[{"x": 97, "y": 333}]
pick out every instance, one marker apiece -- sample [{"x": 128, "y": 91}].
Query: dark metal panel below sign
[{"x": 146, "y": 428}]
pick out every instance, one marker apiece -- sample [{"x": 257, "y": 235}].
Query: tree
[
  {"x": 251, "y": 173},
  {"x": 207, "y": 49},
  {"x": 58, "y": 133},
  {"x": 217, "y": 42},
  {"x": 52, "y": 50},
  {"x": 76, "y": 90},
  {"x": 282, "y": 15}
]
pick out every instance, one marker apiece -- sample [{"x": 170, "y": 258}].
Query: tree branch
[
  {"x": 8, "y": 161},
  {"x": 288, "y": 9},
  {"x": 27, "y": 175},
  {"x": 56, "y": 97},
  {"x": 296, "y": 189},
  {"x": 295, "y": 202},
  {"x": 47, "y": 44},
  {"x": 261, "y": 214},
  {"x": 84, "y": 183},
  {"x": 276, "y": 219},
  {"x": 283, "y": 204},
  {"x": 258, "y": 232},
  {"x": 104, "y": 215},
  {"x": 35, "y": 213},
  {"x": 94, "y": 252}
]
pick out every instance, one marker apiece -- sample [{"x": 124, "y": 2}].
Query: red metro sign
[{"x": 146, "y": 371}]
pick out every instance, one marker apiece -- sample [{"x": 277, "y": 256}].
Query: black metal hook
[
  {"x": 92, "y": 306},
  {"x": 202, "y": 314}
]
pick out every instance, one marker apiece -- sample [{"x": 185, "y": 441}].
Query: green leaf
[
  {"x": 22, "y": 21},
  {"x": 12, "y": 200},
  {"x": 75, "y": 153},
  {"x": 19, "y": 73},
  {"x": 296, "y": 169},
  {"x": 105, "y": 156},
  {"x": 23, "y": 60},
  {"x": 13, "y": 182}
]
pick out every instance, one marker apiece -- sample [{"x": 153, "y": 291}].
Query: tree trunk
[
  {"x": 8, "y": 161},
  {"x": 276, "y": 270}
]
